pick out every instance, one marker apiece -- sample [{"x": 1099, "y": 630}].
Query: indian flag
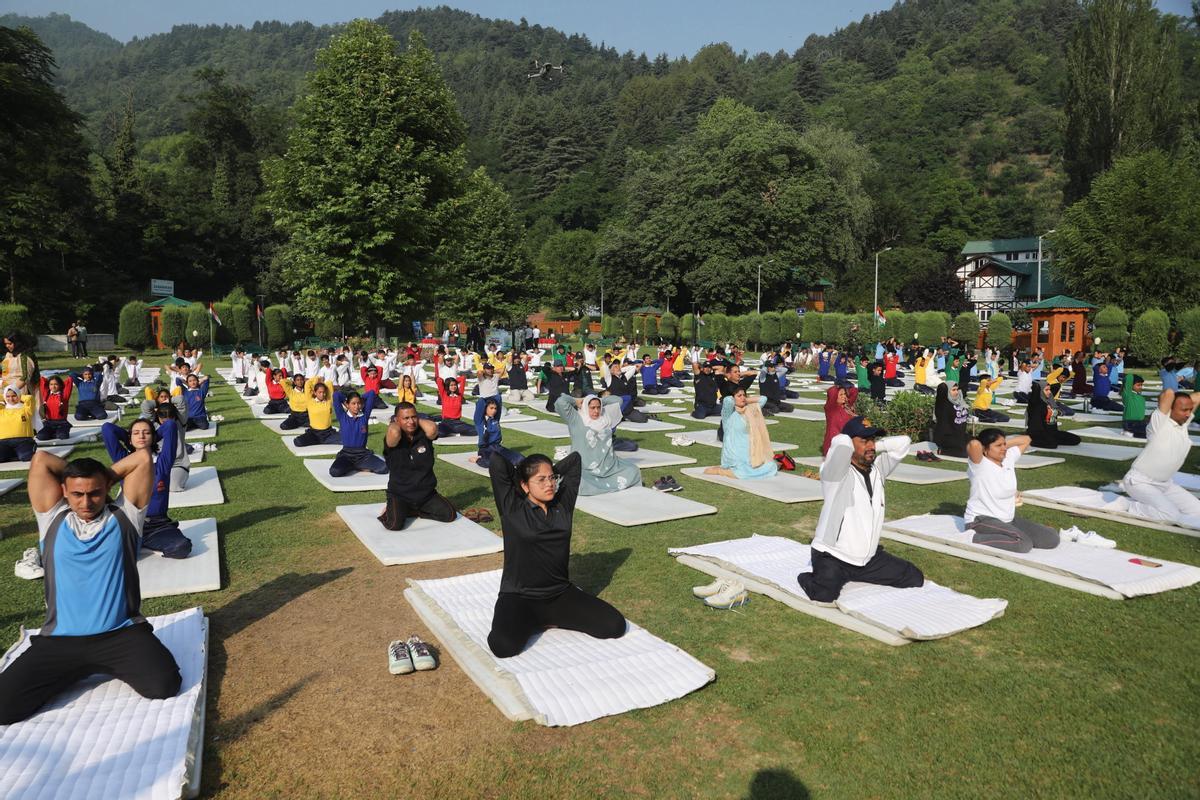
[
  {"x": 212, "y": 312},
  {"x": 880, "y": 319}
]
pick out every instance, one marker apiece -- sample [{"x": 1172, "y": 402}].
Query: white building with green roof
[{"x": 1002, "y": 274}]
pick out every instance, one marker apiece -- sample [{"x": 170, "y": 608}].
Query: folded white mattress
[
  {"x": 275, "y": 423},
  {"x": 782, "y": 487},
  {"x": 1074, "y": 565},
  {"x": 770, "y": 564},
  {"x": 199, "y": 572},
  {"x": 562, "y": 677},
  {"x": 203, "y": 489},
  {"x": 648, "y": 426},
  {"x": 113, "y": 416},
  {"x": 649, "y": 459},
  {"x": 421, "y": 539},
  {"x": 207, "y": 433},
  {"x": 1106, "y": 505},
  {"x": 8, "y": 484},
  {"x": 802, "y": 414},
  {"x": 462, "y": 460},
  {"x": 100, "y": 739}
]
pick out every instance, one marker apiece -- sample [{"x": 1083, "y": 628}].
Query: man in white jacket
[
  {"x": 1151, "y": 478},
  {"x": 846, "y": 545}
]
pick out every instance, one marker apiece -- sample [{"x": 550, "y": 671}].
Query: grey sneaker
[
  {"x": 399, "y": 661},
  {"x": 422, "y": 658}
]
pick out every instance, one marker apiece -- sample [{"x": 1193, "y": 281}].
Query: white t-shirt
[
  {"x": 1167, "y": 447},
  {"x": 993, "y": 487},
  {"x": 88, "y": 530},
  {"x": 1024, "y": 382}
]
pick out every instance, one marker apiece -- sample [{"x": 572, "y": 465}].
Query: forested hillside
[{"x": 917, "y": 128}]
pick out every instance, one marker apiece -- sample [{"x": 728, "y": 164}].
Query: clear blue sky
[{"x": 677, "y": 27}]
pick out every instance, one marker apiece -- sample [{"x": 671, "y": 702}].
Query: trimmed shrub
[
  {"x": 606, "y": 327},
  {"x": 907, "y": 413},
  {"x": 716, "y": 328},
  {"x": 650, "y": 328},
  {"x": 668, "y": 327},
  {"x": 627, "y": 329},
  {"x": 965, "y": 329},
  {"x": 770, "y": 329},
  {"x": 896, "y": 325},
  {"x": 133, "y": 330},
  {"x": 1149, "y": 343},
  {"x": 196, "y": 332},
  {"x": 791, "y": 325},
  {"x": 813, "y": 327},
  {"x": 14, "y": 318},
  {"x": 278, "y": 320},
  {"x": 242, "y": 323},
  {"x": 1111, "y": 327},
  {"x": 327, "y": 329},
  {"x": 743, "y": 329},
  {"x": 999, "y": 332},
  {"x": 172, "y": 324},
  {"x": 931, "y": 327},
  {"x": 1189, "y": 333},
  {"x": 224, "y": 332},
  {"x": 686, "y": 324},
  {"x": 238, "y": 297}
]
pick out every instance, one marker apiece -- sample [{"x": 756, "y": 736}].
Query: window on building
[
  {"x": 984, "y": 314},
  {"x": 1011, "y": 256},
  {"x": 1071, "y": 331},
  {"x": 1043, "y": 334}
]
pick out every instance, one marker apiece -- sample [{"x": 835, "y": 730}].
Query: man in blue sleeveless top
[{"x": 94, "y": 624}]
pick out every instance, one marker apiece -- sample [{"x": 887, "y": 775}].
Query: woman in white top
[{"x": 992, "y": 505}]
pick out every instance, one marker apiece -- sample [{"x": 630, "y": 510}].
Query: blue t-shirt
[
  {"x": 91, "y": 581},
  {"x": 823, "y": 363}
]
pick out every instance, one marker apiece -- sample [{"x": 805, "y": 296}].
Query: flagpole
[{"x": 210, "y": 327}]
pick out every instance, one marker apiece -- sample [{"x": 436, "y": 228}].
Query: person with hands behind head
[
  {"x": 412, "y": 484},
  {"x": 992, "y": 505}
]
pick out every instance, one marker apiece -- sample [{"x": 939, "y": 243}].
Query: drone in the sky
[{"x": 545, "y": 71}]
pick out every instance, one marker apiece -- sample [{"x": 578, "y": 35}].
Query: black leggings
[
  {"x": 517, "y": 618},
  {"x": 53, "y": 663},
  {"x": 829, "y": 574},
  {"x": 398, "y": 512}
]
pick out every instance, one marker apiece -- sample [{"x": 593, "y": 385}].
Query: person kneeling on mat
[
  {"x": 1151, "y": 478},
  {"x": 94, "y": 624},
  {"x": 487, "y": 425},
  {"x": 536, "y": 502},
  {"x": 298, "y": 390},
  {"x": 591, "y": 422},
  {"x": 412, "y": 484},
  {"x": 846, "y": 544},
  {"x": 16, "y": 426},
  {"x": 160, "y": 533},
  {"x": 992, "y": 504},
  {"x": 353, "y": 417},
  {"x": 55, "y": 393},
  {"x": 89, "y": 403},
  {"x": 746, "y": 448},
  {"x": 320, "y": 418}
]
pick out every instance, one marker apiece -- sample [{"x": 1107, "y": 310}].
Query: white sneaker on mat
[
  {"x": 399, "y": 660},
  {"x": 1093, "y": 539},
  {"x": 561, "y": 452},
  {"x": 709, "y": 590},
  {"x": 422, "y": 659},
  {"x": 732, "y": 596},
  {"x": 1070, "y": 534},
  {"x": 30, "y": 565}
]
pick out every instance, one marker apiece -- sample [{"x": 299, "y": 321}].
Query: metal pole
[
  {"x": 758, "y": 306},
  {"x": 875, "y": 308},
  {"x": 1039, "y": 291}
]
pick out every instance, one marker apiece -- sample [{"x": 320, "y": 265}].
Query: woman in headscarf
[
  {"x": 950, "y": 416},
  {"x": 839, "y": 409},
  {"x": 1042, "y": 419},
  {"x": 591, "y": 422},
  {"x": 746, "y": 449},
  {"x": 16, "y": 426}
]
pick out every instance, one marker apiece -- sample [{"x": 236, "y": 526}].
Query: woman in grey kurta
[{"x": 591, "y": 436}]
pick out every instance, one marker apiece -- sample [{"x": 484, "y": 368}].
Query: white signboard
[{"x": 161, "y": 288}]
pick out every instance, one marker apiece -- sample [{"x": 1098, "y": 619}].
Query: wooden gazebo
[{"x": 1059, "y": 323}]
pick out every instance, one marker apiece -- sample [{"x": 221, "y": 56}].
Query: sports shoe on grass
[
  {"x": 30, "y": 565},
  {"x": 422, "y": 658},
  {"x": 682, "y": 441},
  {"x": 732, "y": 596},
  {"x": 399, "y": 661},
  {"x": 709, "y": 590},
  {"x": 662, "y": 485},
  {"x": 672, "y": 484}
]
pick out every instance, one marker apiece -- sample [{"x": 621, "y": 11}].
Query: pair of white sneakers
[
  {"x": 210, "y": 448},
  {"x": 682, "y": 440},
  {"x": 1090, "y": 538},
  {"x": 30, "y": 566},
  {"x": 723, "y": 593},
  {"x": 408, "y": 656}
]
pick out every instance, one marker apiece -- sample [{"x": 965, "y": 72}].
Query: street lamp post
[
  {"x": 758, "y": 305},
  {"x": 874, "y": 310},
  {"x": 1047, "y": 233}
]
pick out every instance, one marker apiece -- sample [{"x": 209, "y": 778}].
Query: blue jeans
[{"x": 21, "y": 448}]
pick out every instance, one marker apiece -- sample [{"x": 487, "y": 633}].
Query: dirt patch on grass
[{"x": 739, "y": 654}]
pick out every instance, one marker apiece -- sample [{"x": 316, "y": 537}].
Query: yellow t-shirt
[{"x": 17, "y": 423}]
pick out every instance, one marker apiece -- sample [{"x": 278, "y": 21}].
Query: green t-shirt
[
  {"x": 1135, "y": 404},
  {"x": 864, "y": 380}
]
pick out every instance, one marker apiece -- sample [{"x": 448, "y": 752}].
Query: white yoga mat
[
  {"x": 199, "y": 572},
  {"x": 1012, "y": 425},
  {"x": 640, "y": 505},
  {"x": 357, "y": 482},
  {"x": 770, "y": 564},
  {"x": 1106, "y": 452},
  {"x": 203, "y": 489},
  {"x": 802, "y": 414},
  {"x": 312, "y": 450},
  {"x": 276, "y": 425},
  {"x": 462, "y": 459},
  {"x": 113, "y": 416},
  {"x": 562, "y": 677},
  {"x": 1187, "y": 481},
  {"x": 1095, "y": 570},
  {"x": 23, "y": 466},
  {"x": 76, "y": 437},
  {"x": 1114, "y": 435},
  {"x": 906, "y": 473},
  {"x": 100, "y": 739},
  {"x": 648, "y": 426},
  {"x": 543, "y": 428},
  {"x": 660, "y": 408},
  {"x": 459, "y": 440},
  {"x": 259, "y": 410},
  {"x": 714, "y": 421},
  {"x": 782, "y": 487},
  {"x": 8, "y": 484},
  {"x": 468, "y": 415},
  {"x": 709, "y": 437},
  {"x": 421, "y": 539},
  {"x": 1106, "y": 505},
  {"x": 198, "y": 435},
  {"x": 1027, "y": 461},
  {"x": 649, "y": 459}
]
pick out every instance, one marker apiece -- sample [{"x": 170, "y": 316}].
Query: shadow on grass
[
  {"x": 776, "y": 784},
  {"x": 471, "y": 496},
  {"x": 593, "y": 572},
  {"x": 233, "y": 472},
  {"x": 951, "y": 509}
]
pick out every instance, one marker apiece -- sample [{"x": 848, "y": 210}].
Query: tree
[
  {"x": 173, "y": 326},
  {"x": 196, "y": 331},
  {"x": 134, "y": 330},
  {"x": 937, "y": 289},
  {"x": 241, "y": 323},
  {"x": 965, "y": 329},
  {"x": 278, "y": 319},
  {"x": 687, "y": 325},
  {"x": 668, "y": 327},
  {"x": 566, "y": 264},
  {"x": 999, "y": 331},
  {"x": 1132, "y": 241},
  {"x": 1149, "y": 343},
  {"x": 375, "y": 155},
  {"x": 1189, "y": 333},
  {"x": 931, "y": 327},
  {"x": 1111, "y": 327},
  {"x": 484, "y": 254},
  {"x": 14, "y": 318},
  {"x": 1123, "y": 95}
]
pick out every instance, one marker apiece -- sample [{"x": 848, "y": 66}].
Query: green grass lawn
[{"x": 1066, "y": 695}]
